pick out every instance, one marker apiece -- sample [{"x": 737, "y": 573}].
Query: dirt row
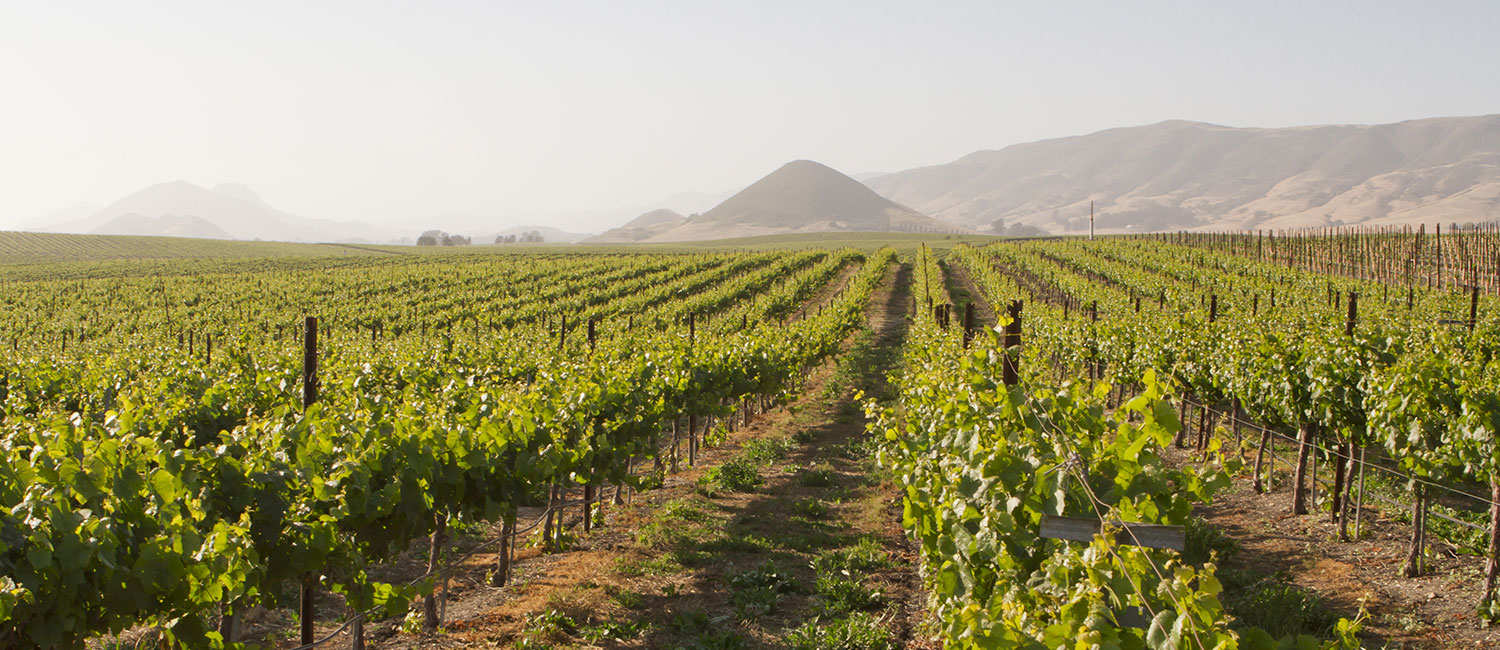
[{"x": 668, "y": 568}]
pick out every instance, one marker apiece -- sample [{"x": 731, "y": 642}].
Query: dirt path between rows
[
  {"x": 962, "y": 287},
  {"x": 685, "y": 565},
  {"x": 1435, "y": 610}
]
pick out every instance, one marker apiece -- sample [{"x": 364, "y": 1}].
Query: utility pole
[{"x": 1091, "y": 221}]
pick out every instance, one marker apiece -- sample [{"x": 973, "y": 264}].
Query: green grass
[
  {"x": 865, "y": 555},
  {"x": 1206, "y": 542},
  {"x": 1280, "y": 609},
  {"x": 856, "y": 632},
  {"x": 738, "y": 474}
]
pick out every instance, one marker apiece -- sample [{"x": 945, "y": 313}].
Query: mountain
[
  {"x": 166, "y": 226},
  {"x": 802, "y": 196},
  {"x": 1193, "y": 175},
  {"x": 75, "y": 212},
  {"x": 641, "y": 228},
  {"x": 230, "y": 210}
]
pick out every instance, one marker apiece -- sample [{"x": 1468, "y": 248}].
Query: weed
[
  {"x": 688, "y": 509},
  {"x": 738, "y": 474},
  {"x": 866, "y": 555},
  {"x": 857, "y": 632},
  {"x": 810, "y": 541},
  {"x": 628, "y": 599},
  {"x": 1281, "y": 609},
  {"x": 737, "y": 544},
  {"x": 613, "y": 630},
  {"x": 766, "y": 575},
  {"x": 676, "y": 523},
  {"x": 811, "y": 508},
  {"x": 562, "y": 540},
  {"x": 545, "y": 628},
  {"x": 693, "y": 557},
  {"x": 816, "y": 476},
  {"x": 768, "y": 450},
  {"x": 717, "y": 435},
  {"x": 860, "y": 448},
  {"x": 1407, "y": 623},
  {"x": 651, "y": 481},
  {"x": 842, "y": 593},
  {"x": 754, "y": 602},
  {"x": 689, "y": 623},
  {"x": 1206, "y": 542}
]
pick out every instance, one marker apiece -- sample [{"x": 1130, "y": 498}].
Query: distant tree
[
  {"x": 456, "y": 240},
  {"x": 1023, "y": 230},
  {"x": 998, "y": 226},
  {"x": 431, "y": 238}
]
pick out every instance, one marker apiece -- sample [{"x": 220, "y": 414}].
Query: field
[{"x": 800, "y": 441}]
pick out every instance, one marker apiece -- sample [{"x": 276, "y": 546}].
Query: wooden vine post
[
  {"x": 968, "y": 323},
  {"x": 1473, "y": 306},
  {"x": 1343, "y": 466},
  {"x": 305, "y": 611},
  {"x": 1306, "y": 435},
  {"x": 692, "y": 417},
  {"x": 588, "y": 487},
  {"x": 430, "y": 619},
  {"x": 1010, "y": 367},
  {"x": 1492, "y": 563}
]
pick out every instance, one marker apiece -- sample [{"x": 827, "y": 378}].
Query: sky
[{"x": 548, "y": 111}]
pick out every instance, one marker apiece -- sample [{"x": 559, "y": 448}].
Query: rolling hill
[
  {"x": 802, "y": 196},
  {"x": 1193, "y": 175},
  {"x": 166, "y": 225},
  {"x": 229, "y": 210},
  {"x": 641, "y": 228}
]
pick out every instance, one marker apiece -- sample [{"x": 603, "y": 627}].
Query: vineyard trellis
[{"x": 202, "y": 481}]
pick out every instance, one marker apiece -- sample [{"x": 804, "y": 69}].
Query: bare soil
[
  {"x": 1435, "y": 610},
  {"x": 659, "y": 566}
]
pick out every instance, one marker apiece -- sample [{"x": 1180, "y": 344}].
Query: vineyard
[
  {"x": 1121, "y": 345},
  {"x": 188, "y": 441},
  {"x": 179, "y": 448}
]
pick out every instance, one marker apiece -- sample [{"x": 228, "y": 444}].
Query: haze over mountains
[
  {"x": 1166, "y": 176},
  {"x": 801, "y": 196},
  {"x": 228, "y": 211},
  {"x": 1193, "y": 175},
  {"x": 642, "y": 228}
]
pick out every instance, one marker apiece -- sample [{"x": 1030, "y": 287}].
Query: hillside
[
  {"x": 166, "y": 225},
  {"x": 641, "y": 228},
  {"x": 802, "y": 196},
  {"x": 1193, "y": 175},
  {"x": 229, "y": 210}
]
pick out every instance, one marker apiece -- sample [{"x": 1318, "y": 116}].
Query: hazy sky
[{"x": 385, "y": 110}]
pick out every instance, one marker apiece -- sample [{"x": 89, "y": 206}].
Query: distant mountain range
[
  {"x": 166, "y": 225},
  {"x": 1166, "y": 176},
  {"x": 228, "y": 211},
  {"x": 801, "y": 196},
  {"x": 642, "y": 228},
  {"x": 1191, "y": 175}
]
